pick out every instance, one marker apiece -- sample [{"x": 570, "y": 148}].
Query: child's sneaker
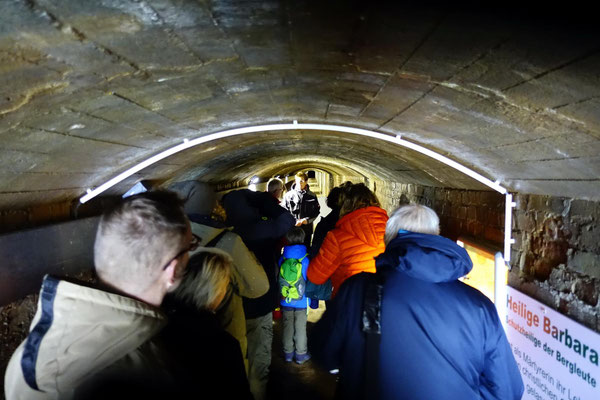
[
  {"x": 302, "y": 358},
  {"x": 289, "y": 356}
]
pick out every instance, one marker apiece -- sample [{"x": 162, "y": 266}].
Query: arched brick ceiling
[{"x": 89, "y": 88}]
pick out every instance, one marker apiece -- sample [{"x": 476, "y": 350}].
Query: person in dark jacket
[
  {"x": 440, "y": 338},
  {"x": 209, "y": 360},
  {"x": 261, "y": 223},
  {"x": 328, "y": 222},
  {"x": 303, "y": 205}
]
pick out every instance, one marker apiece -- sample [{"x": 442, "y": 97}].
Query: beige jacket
[
  {"x": 248, "y": 280},
  {"x": 77, "y": 332}
]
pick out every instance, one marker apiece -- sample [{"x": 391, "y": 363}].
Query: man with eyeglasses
[{"x": 79, "y": 332}]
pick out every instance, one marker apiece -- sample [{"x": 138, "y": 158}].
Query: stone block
[
  {"x": 467, "y": 198},
  {"x": 428, "y": 192},
  {"x": 561, "y": 279},
  {"x": 585, "y": 209},
  {"x": 455, "y": 197},
  {"x": 537, "y": 203},
  {"x": 494, "y": 235},
  {"x": 587, "y": 290},
  {"x": 589, "y": 238},
  {"x": 547, "y": 204},
  {"x": 514, "y": 258},
  {"x": 585, "y": 263},
  {"x": 518, "y": 237},
  {"x": 472, "y": 213},
  {"x": 524, "y": 221}
]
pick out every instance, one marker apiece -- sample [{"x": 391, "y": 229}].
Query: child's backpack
[{"x": 291, "y": 281}]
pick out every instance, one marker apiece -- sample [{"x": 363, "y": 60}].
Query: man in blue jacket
[{"x": 439, "y": 338}]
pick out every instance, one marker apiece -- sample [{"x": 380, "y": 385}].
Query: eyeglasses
[{"x": 194, "y": 243}]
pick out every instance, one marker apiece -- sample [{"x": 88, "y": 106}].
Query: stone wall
[
  {"x": 462, "y": 212},
  {"x": 556, "y": 255}
]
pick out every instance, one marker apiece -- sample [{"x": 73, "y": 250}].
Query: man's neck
[{"x": 150, "y": 296}]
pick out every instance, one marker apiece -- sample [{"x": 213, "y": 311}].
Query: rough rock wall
[{"x": 556, "y": 255}]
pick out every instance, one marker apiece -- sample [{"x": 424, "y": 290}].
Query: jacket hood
[
  {"x": 294, "y": 251},
  {"x": 430, "y": 258},
  {"x": 199, "y": 197},
  {"x": 78, "y": 331},
  {"x": 365, "y": 224}
]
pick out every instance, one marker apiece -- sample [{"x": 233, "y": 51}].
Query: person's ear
[{"x": 169, "y": 274}]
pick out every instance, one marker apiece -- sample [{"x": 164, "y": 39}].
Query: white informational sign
[{"x": 557, "y": 357}]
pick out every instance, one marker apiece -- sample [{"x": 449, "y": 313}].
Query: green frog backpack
[{"x": 291, "y": 281}]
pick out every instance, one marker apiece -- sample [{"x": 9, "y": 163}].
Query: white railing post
[{"x": 500, "y": 287}]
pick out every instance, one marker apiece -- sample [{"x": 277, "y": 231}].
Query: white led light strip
[{"x": 316, "y": 127}]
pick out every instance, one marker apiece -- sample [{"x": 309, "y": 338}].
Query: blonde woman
[{"x": 209, "y": 359}]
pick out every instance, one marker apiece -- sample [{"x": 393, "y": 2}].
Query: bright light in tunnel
[
  {"x": 317, "y": 127},
  {"x": 295, "y": 126}
]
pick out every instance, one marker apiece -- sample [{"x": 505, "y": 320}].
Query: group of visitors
[{"x": 187, "y": 286}]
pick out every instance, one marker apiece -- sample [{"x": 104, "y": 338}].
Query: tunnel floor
[{"x": 293, "y": 381}]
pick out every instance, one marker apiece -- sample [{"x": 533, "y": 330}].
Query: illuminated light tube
[
  {"x": 396, "y": 139},
  {"x": 294, "y": 126}
]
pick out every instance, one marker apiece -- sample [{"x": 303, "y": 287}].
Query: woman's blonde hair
[
  {"x": 355, "y": 196},
  {"x": 206, "y": 278}
]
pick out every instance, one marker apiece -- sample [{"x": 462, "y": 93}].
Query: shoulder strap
[
  {"x": 303, "y": 257},
  {"x": 216, "y": 239},
  {"x": 371, "y": 326}
]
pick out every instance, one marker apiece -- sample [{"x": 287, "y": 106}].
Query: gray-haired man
[{"x": 78, "y": 332}]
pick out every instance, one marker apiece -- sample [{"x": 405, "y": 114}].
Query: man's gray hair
[
  {"x": 274, "y": 184},
  {"x": 137, "y": 238},
  {"x": 414, "y": 218},
  {"x": 206, "y": 279}
]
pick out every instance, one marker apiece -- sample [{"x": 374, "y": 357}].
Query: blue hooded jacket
[
  {"x": 440, "y": 338},
  {"x": 296, "y": 251}
]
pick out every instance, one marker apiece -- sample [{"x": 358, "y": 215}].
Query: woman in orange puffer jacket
[{"x": 351, "y": 247}]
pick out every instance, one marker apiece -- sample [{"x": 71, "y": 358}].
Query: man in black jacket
[
  {"x": 303, "y": 205},
  {"x": 261, "y": 223}
]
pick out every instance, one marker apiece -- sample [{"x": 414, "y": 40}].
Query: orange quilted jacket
[{"x": 350, "y": 248}]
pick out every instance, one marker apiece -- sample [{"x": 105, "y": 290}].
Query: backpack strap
[
  {"x": 216, "y": 239},
  {"x": 371, "y": 326}
]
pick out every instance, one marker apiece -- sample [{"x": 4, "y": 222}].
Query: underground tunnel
[{"x": 97, "y": 97}]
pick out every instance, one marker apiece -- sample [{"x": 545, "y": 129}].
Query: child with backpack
[{"x": 292, "y": 284}]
